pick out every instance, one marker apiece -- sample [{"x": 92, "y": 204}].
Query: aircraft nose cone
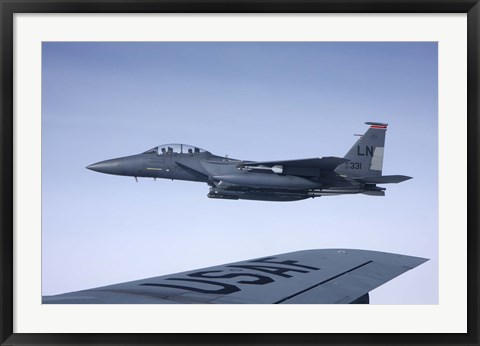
[{"x": 113, "y": 166}]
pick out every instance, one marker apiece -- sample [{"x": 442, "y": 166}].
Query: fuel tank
[
  {"x": 268, "y": 181},
  {"x": 256, "y": 195}
]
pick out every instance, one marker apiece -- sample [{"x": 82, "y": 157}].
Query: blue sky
[{"x": 256, "y": 101}]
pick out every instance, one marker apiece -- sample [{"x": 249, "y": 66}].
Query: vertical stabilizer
[{"x": 366, "y": 155}]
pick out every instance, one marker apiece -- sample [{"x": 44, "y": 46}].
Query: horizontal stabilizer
[{"x": 383, "y": 179}]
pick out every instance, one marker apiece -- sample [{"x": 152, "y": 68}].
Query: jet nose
[{"x": 113, "y": 166}]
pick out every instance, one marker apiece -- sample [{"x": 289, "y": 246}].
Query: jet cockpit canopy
[{"x": 175, "y": 149}]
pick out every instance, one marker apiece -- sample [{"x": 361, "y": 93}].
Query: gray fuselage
[{"x": 286, "y": 180}]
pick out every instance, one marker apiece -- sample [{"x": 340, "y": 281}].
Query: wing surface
[
  {"x": 323, "y": 163},
  {"x": 312, "y": 276}
]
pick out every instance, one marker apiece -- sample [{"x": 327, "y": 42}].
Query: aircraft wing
[
  {"x": 324, "y": 276},
  {"x": 305, "y": 167}
]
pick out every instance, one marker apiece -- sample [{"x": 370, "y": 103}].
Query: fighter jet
[
  {"x": 359, "y": 171},
  {"x": 326, "y": 276}
]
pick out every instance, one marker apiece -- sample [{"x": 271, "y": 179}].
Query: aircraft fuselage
[{"x": 290, "y": 180}]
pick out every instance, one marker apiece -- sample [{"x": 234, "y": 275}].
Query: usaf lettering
[{"x": 267, "y": 266}]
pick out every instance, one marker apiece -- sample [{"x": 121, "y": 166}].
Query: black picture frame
[{"x": 10, "y": 7}]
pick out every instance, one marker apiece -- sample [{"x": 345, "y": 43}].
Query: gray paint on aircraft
[
  {"x": 288, "y": 180},
  {"x": 326, "y": 276}
]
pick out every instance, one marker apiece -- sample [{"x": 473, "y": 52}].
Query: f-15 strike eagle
[
  {"x": 327, "y": 276},
  {"x": 359, "y": 171}
]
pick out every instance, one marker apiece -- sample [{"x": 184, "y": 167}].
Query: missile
[{"x": 277, "y": 169}]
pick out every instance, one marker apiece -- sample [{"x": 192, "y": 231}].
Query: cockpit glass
[
  {"x": 151, "y": 151},
  {"x": 178, "y": 149}
]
